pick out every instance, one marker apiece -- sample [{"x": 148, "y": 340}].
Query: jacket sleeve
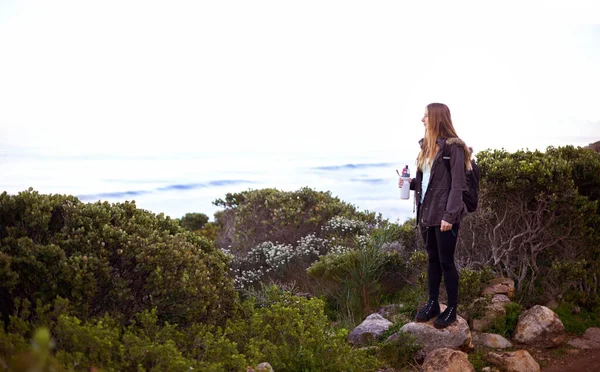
[
  {"x": 455, "y": 206},
  {"x": 413, "y": 182}
]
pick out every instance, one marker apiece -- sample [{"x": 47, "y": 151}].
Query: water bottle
[{"x": 405, "y": 190}]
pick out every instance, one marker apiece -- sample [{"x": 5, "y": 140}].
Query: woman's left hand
[{"x": 445, "y": 226}]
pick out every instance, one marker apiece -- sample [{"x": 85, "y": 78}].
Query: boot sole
[
  {"x": 426, "y": 320},
  {"x": 442, "y": 326}
]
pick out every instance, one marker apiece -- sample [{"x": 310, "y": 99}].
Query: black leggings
[{"x": 440, "y": 247}]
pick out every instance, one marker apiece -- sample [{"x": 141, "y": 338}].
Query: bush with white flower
[
  {"x": 270, "y": 260},
  {"x": 342, "y": 226}
]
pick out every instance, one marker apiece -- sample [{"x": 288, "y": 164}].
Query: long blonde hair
[{"x": 439, "y": 125}]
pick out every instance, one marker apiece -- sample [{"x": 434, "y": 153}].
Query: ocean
[
  {"x": 187, "y": 183},
  {"x": 176, "y": 184}
]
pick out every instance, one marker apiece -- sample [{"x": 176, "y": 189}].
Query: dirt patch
[
  {"x": 575, "y": 360},
  {"x": 561, "y": 359},
  {"x": 565, "y": 358}
]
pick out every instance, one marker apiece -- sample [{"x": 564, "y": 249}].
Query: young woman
[{"x": 438, "y": 196}]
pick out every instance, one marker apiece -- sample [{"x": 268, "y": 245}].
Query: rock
[
  {"x": 491, "y": 340},
  {"x": 447, "y": 360},
  {"x": 493, "y": 311},
  {"x": 457, "y": 336},
  {"x": 500, "y": 298},
  {"x": 590, "y": 340},
  {"x": 592, "y": 334},
  {"x": 500, "y": 286},
  {"x": 388, "y": 311},
  {"x": 584, "y": 344},
  {"x": 516, "y": 361},
  {"x": 262, "y": 367},
  {"x": 539, "y": 326},
  {"x": 369, "y": 330},
  {"x": 490, "y": 369}
]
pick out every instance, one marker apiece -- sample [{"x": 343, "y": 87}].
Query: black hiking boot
[
  {"x": 446, "y": 318},
  {"x": 430, "y": 310}
]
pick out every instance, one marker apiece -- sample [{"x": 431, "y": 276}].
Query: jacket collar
[{"x": 440, "y": 141}]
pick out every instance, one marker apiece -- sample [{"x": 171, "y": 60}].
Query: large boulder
[
  {"x": 447, "y": 360},
  {"x": 516, "y": 361},
  {"x": 457, "y": 336},
  {"x": 369, "y": 330},
  {"x": 540, "y": 326}
]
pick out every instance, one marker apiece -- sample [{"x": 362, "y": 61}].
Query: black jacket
[{"x": 443, "y": 197}]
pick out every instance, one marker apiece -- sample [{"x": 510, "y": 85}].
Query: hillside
[{"x": 594, "y": 146}]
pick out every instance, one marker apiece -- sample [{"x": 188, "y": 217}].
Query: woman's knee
[{"x": 448, "y": 265}]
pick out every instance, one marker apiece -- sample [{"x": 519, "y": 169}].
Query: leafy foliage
[
  {"x": 472, "y": 283},
  {"x": 533, "y": 214},
  {"x": 399, "y": 352},
  {"x": 194, "y": 221},
  {"x": 358, "y": 279},
  {"x": 294, "y": 334},
  {"x": 107, "y": 258},
  {"x": 577, "y": 321},
  {"x": 506, "y": 325},
  {"x": 256, "y": 216}
]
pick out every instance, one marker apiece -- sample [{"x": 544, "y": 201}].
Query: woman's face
[{"x": 425, "y": 119}]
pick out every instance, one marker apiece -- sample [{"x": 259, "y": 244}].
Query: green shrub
[
  {"x": 577, "y": 322},
  {"x": 506, "y": 325},
  {"x": 477, "y": 359},
  {"x": 542, "y": 206},
  {"x": 393, "y": 329},
  {"x": 255, "y": 216},
  {"x": 85, "y": 344},
  {"x": 410, "y": 238},
  {"x": 352, "y": 278},
  {"x": 108, "y": 258},
  {"x": 194, "y": 221},
  {"x": 399, "y": 353},
  {"x": 472, "y": 283},
  {"x": 293, "y": 334}
]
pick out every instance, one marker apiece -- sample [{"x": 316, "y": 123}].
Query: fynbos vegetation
[{"x": 278, "y": 276}]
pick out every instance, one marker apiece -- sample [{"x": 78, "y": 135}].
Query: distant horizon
[{"x": 368, "y": 185}]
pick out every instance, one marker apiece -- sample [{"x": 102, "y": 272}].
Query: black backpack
[{"x": 471, "y": 194}]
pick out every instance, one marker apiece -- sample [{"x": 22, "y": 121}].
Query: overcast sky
[{"x": 164, "y": 77}]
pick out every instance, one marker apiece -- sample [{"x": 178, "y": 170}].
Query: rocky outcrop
[
  {"x": 539, "y": 326},
  {"x": 369, "y": 330},
  {"x": 516, "y": 361},
  {"x": 447, "y": 360},
  {"x": 594, "y": 146}
]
